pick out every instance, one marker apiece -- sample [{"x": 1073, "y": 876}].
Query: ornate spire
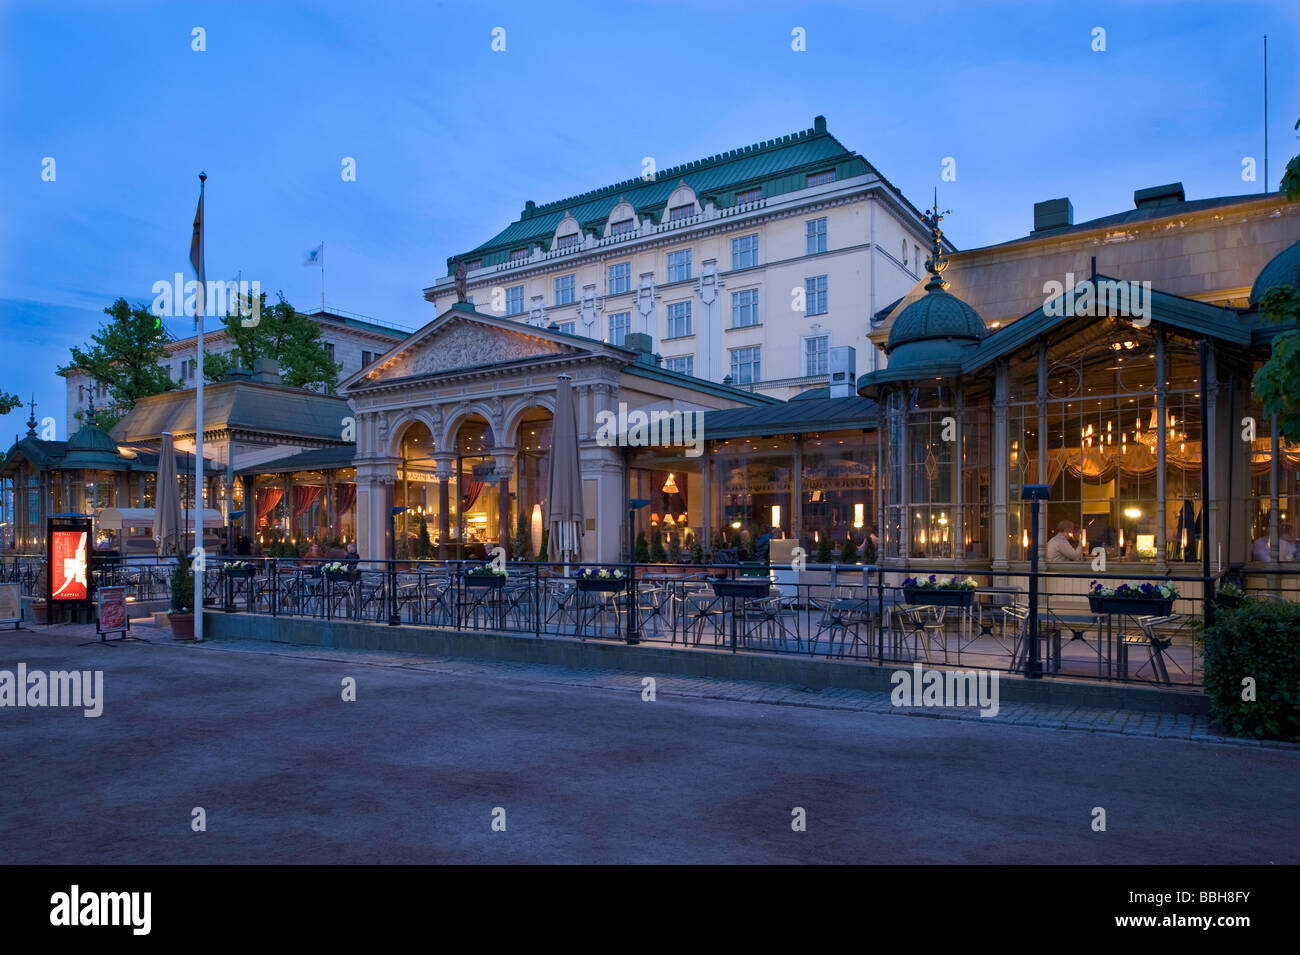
[
  {"x": 937, "y": 261},
  {"x": 31, "y": 422}
]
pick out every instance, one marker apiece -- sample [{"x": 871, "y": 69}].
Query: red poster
[
  {"x": 68, "y": 565},
  {"x": 112, "y": 609}
]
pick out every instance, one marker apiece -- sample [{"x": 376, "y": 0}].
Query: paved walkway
[{"x": 1048, "y": 716}]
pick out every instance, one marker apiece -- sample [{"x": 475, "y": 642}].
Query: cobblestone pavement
[{"x": 1043, "y": 715}]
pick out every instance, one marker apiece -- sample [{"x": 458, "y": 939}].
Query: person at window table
[
  {"x": 1061, "y": 547},
  {"x": 1286, "y": 546},
  {"x": 313, "y": 557}
]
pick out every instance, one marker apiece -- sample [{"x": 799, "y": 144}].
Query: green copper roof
[
  {"x": 776, "y": 166},
  {"x": 1282, "y": 269}
]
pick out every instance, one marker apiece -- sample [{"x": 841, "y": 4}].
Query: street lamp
[{"x": 1035, "y": 493}]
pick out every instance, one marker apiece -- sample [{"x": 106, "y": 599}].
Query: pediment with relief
[{"x": 465, "y": 345}]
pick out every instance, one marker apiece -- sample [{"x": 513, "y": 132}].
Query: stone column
[
  {"x": 505, "y": 464},
  {"x": 444, "y": 464},
  {"x": 1043, "y": 532}
]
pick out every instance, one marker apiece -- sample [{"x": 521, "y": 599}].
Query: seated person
[
  {"x": 350, "y": 553},
  {"x": 1061, "y": 547},
  {"x": 1285, "y": 543},
  {"x": 313, "y": 557},
  {"x": 1260, "y": 550}
]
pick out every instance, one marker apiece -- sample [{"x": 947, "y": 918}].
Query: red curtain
[
  {"x": 345, "y": 496},
  {"x": 267, "y": 498},
  {"x": 472, "y": 490},
  {"x": 303, "y": 497}
]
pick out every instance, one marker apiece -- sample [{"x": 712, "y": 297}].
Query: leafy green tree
[
  {"x": 281, "y": 333},
  {"x": 1277, "y": 383},
  {"x": 9, "y": 402},
  {"x": 824, "y": 553},
  {"x": 849, "y": 553},
  {"x": 124, "y": 357},
  {"x": 424, "y": 545}
]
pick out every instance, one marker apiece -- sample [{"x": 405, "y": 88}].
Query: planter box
[
  {"x": 603, "y": 586},
  {"x": 239, "y": 573},
  {"x": 341, "y": 577},
  {"x": 182, "y": 625},
  {"x": 40, "y": 614},
  {"x": 493, "y": 581},
  {"x": 745, "y": 587},
  {"x": 1229, "y": 600},
  {"x": 939, "y": 598},
  {"x": 1133, "y": 606}
]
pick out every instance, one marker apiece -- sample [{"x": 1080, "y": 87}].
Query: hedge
[{"x": 1259, "y": 640}]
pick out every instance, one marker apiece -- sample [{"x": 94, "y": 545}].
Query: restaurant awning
[{"x": 116, "y": 518}]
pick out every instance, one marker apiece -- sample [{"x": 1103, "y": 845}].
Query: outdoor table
[
  {"x": 1078, "y": 623},
  {"x": 740, "y": 587},
  {"x": 1138, "y": 610}
]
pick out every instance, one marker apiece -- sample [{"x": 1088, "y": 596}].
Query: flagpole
[
  {"x": 322, "y": 275},
  {"x": 199, "y": 308}
]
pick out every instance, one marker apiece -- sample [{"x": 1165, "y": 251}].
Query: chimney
[
  {"x": 1053, "y": 214},
  {"x": 843, "y": 363},
  {"x": 1168, "y": 195},
  {"x": 643, "y": 345},
  {"x": 266, "y": 371}
]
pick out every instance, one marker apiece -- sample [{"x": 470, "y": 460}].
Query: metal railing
[{"x": 847, "y": 613}]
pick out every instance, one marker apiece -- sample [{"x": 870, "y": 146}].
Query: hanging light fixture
[{"x": 670, "y": 486}]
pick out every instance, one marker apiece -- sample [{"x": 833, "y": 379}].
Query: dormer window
[
  {"x": 567, "y": 241},
  {"x": 751, "y": 195},
  {"x": 473, "y": 265},
  {"x": 518, "y": 255},
  {"x": 678, "y": 213},
  {"x": 821, "y": 178},
  {"x": 621, "y": 228}
]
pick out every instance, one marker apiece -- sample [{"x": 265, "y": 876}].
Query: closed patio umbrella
[
  {"x": 565, "y": 506},
  {"x": 167, "y": 500}
]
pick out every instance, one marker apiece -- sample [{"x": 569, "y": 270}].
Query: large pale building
[{"x": 747, "y": 267}]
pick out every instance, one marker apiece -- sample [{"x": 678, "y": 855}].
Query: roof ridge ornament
[
  {"x": 937, "y": 261},
  {"x": 31, "y": 422}
]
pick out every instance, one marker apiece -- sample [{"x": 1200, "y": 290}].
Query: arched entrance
[
  {"x": 533, "y": 469},
  {"x": 475, "y": 505},
  {"x": 416, "y": 490}
]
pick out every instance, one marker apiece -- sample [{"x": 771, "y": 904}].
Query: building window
[
  {"x": 514, "y": 300},
  {"x": 751, "y": 195},
  {"x": 564, "y": 290},
  {"x": 744, "y": 251},
  {"x": 366, "y": 358},
  {"x": 745, "y": 365},
  {"x": 329, "y": 346},
  {"x": 679, "y": 320},
  {"x": 518, "y": 255},
  {"x": 568, "y": 327},
  {"x": 816, "y": 236},
  {"x": 621, "y": 228},
  {"x": 815, "y": 354},
  {"x": 685, "y": 364},
  {"x": 81, "y": 394},
  {"x": 744, "y": 308},
  {"x": 815, "y": 295},
  {"x": 679, "y": 266},
  {"x": 567, "y": 241},
  {"x": 620, "y": 278},
  {"x": 916, "y": 259},
  {"x": 620, "y": 324},
  {"x": 821, "y": 178},
  {"x": 904, "y": 253},
  {"x": 678, "y": 213},
  {"x": 473, "y": 265}
]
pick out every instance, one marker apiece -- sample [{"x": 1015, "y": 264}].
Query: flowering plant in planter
[
  {"x": 487, "y": 570},
  {"x": 934, "y": 582},
  {"x": 588, "y": 573},
  {"x": 1130, "y": 592},
  {"x": 1232, "y": 589},
  {"x": 337, "y": 567}
]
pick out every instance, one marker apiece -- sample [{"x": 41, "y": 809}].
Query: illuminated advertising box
[{"x": 69, "y": 559}]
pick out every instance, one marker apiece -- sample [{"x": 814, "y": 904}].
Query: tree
[
  {"x": 9, "y": 402},
  {"x": 124, "y": 357},
  {"x": 849, "y": 552},
  {"x": 1277, "y": 383},
  {"x": 281, "y": 333},
  {"x": 824, "y": 553}
]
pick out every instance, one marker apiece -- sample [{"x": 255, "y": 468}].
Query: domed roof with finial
[
  {"x": 936, "y": 317},
  {"x": 1282, "y": 269},
  {"x": 92, "y": 447}
]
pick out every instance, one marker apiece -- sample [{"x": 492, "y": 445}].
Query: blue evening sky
[{"x": 450, "y": 138}]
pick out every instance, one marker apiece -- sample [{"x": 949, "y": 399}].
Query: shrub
[
  {"x": 546, "y": 538},
  {"x": 824, "y": 552},
  {"x": 424, "y": 546},
  {"x": 697, "y": 552},
  {"x": 849, "y": 552},
  {"x": 1259, "y": 640},
  {"x": 182, "y": 587},
  {"x": 657, "y": 555},
  {"x": 868, "y": 551},
  {"x": 642, "y": 554}
]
